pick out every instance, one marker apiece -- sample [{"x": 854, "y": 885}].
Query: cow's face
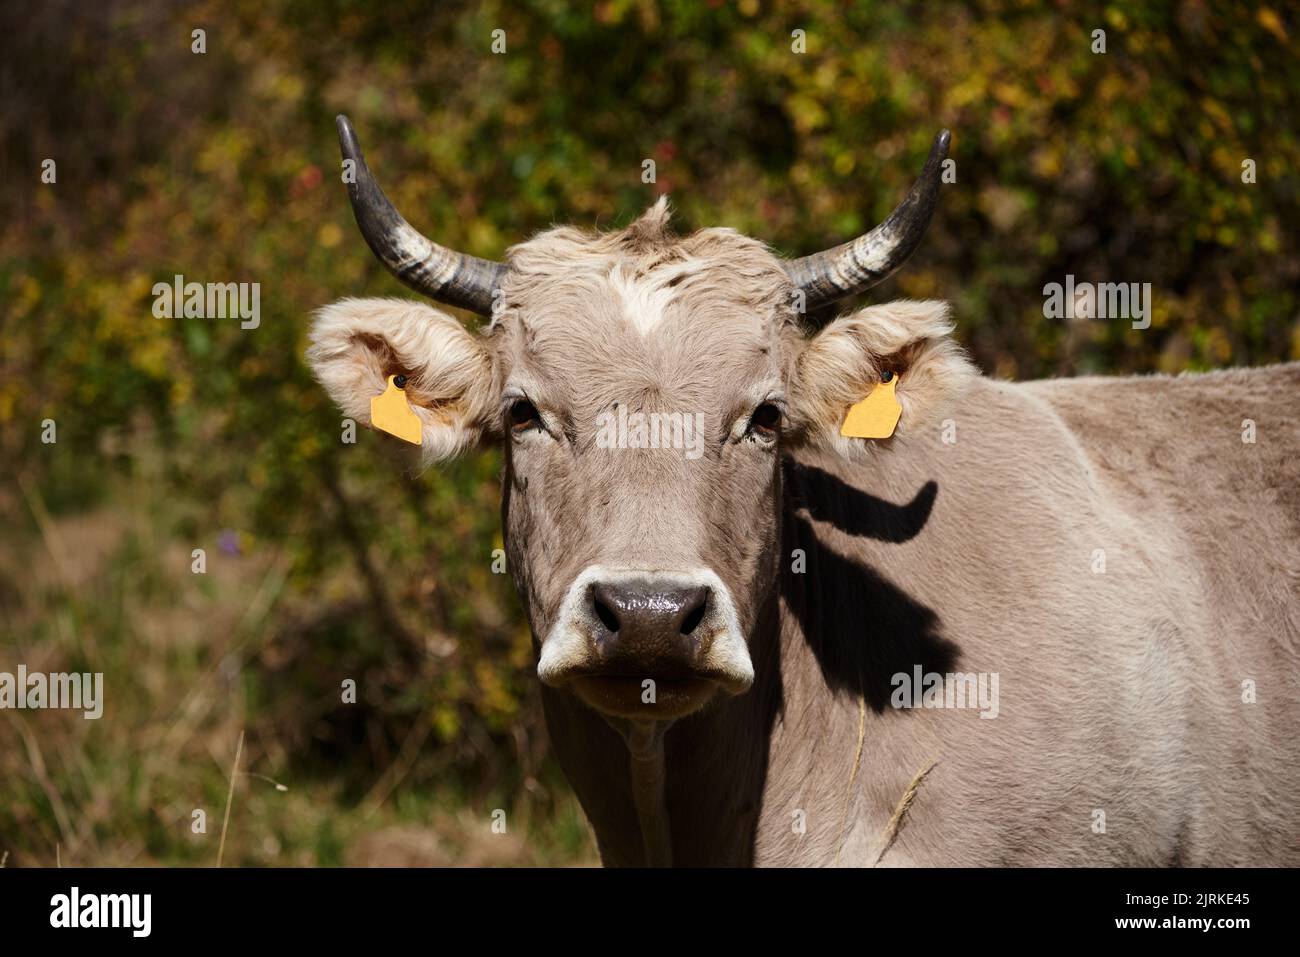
[{"x": 643, "y": 387}]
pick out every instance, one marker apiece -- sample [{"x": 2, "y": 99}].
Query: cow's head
[{"x": 643, "y": 387}]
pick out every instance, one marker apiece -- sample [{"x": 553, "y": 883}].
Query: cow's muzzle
[{"x": 647, "y": 644}]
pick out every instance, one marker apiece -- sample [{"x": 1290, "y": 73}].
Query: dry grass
[
  {"x": 190, "y": 661},
  {"x": 898, "y": 819}
]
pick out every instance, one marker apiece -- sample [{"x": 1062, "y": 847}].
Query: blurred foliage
[{"x": 222, "y": 166}]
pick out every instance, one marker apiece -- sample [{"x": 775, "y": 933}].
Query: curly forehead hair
[{"x": 650, "y": 262}]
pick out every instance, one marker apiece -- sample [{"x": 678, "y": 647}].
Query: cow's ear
[
  {"x": 356, "y": 344},
  {"x": 843, "y": 363}
]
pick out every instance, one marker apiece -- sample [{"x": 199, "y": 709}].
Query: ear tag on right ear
[
  {"x": 391, "y": 413},
  {"x": 876, "y": 416}
]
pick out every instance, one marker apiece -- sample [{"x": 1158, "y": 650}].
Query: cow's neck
[
  {"x": 645, "y": 747},
  {"x": 686, "y": 792}
]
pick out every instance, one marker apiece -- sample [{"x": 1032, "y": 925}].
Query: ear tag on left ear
[
  {"x": 876, "y": 416},
  {"x": 391, "y": 413}
]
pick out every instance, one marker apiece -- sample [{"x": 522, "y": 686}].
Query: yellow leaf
[{"x": 1271, "y": 22}]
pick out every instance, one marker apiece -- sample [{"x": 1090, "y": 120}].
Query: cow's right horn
[{"x": 440, "y": 273}]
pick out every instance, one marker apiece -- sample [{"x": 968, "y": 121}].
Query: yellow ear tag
[
  {"x": 876, "y": 416},
  {"x": 391, "y": 413}
]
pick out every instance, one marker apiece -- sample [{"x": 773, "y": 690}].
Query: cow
[{"x": 1040, "y": 623}]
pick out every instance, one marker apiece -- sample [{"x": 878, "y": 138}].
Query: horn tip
[{"x": 347, "y": 135}]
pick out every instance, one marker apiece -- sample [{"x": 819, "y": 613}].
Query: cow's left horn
[
  {"x": 440, "y": 273},
  {"x": 861, "y": 263}
]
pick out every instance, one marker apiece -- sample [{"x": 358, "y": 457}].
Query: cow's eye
[
  {"x": 523, "y": 416},
  {"x": 765, "y": 421}
]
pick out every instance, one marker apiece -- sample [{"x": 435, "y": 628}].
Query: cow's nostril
[
  {"x": 695, "y": 616},
  {"x": 606, "y": 616},
  {"x": 639, "y": 615}
]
